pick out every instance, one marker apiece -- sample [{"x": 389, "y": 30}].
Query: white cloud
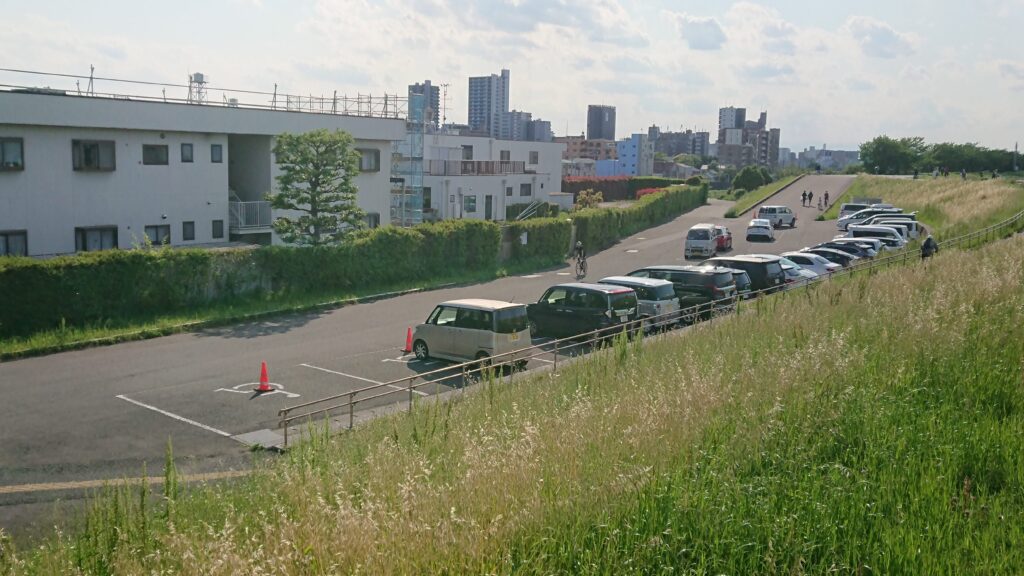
[
  {"x": 700, "y": 33},
  {"x": 877, "y": 38}
]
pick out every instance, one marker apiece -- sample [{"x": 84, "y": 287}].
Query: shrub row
[
  {"x": 600, "y": 228},
  {"x": 546, "y": 239},
  {"x": 615, "y": 188},
  {"x": 92, "y": 288},
  {"x": 545, "y": 210}
]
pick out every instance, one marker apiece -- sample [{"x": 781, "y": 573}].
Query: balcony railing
[
  {"x": 250, "y": 215},
  {"x": 476, "y": 167}
]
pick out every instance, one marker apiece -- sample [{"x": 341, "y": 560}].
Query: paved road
[{"x": 102, "y": 412}]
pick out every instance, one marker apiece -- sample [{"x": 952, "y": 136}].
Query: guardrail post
[
  {"x": 555, "y": 363},
  {"x": 286, "y": 434},
  {"x": 351, "y": 410}
]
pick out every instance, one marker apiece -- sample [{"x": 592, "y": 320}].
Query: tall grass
[
  {"x": 949, "y": 206},
  {"x": 872, "y": 425}
]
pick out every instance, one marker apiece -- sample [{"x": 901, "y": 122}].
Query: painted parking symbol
[{"x": 249, "y": 389}]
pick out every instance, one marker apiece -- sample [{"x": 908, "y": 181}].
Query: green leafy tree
[
  {"x": 893, "y": 156},
  {"x": 588, "y": 199},
  {"x": 766, "y": 176},
  {"x": 749, "y": 178},
  {"x": 317, "y": 172}
]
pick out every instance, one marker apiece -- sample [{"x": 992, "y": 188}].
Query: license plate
[{"x": 623, "y": 319}]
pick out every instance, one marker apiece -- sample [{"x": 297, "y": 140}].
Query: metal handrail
[{"x": 709, "y": 310}]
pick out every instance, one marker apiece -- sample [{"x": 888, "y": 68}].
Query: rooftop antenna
[
  {"x": 444, "y": 104},
  {"x": 90, "y": 89}
]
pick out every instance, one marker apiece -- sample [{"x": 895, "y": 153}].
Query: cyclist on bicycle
[{"x": 578, "y": 252}]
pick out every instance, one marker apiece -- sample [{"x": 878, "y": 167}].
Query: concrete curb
[
  {"x": 199, "y": 324},
  {"x": 769, "y": 197}
]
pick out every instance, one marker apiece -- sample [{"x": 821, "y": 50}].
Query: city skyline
[{"x": 832, "y": 76}]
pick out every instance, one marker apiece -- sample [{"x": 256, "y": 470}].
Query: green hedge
[
  {"x": 599, "y": 228},
  {"x": 88, "y": 289},
  {"x": 615, "y": 188},
  {"x": 546, "y": 239},
  {"x": 546, "y": 210}
]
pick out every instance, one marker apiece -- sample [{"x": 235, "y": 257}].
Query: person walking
[
  {"x": 819, "y": 203},
  {"x": 929, "y": 247},
  {"x": 803, "y": 198},
  {"x": 810, "y": 198},
  {"x": 826, "y": 198}
]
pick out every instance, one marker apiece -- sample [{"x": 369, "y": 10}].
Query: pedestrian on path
[
  {"x": 810, "y": 198},
  {"x": 826, "y": 198},
  {"x": 803, "y": 198},
  {"x": 819, "y": 203}
]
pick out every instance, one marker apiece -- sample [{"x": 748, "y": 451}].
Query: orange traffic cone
[
  {"x": 264, "y": 380},
  {"x": 408, "y": 341}
]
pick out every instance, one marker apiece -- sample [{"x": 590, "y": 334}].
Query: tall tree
[
  {"x": 316, "y": 180},
  {"x": 886, "y": 155}
]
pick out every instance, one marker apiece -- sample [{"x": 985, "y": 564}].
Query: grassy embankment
[
  {"x": 872, "y": 425},
  {"x": 753, "y": 197},
  {"x": 948, "y": 206}
]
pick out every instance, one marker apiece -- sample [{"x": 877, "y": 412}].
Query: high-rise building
[
  {"x": 433, "y": 101},
  {"x": 600, "y": 122},
  {"x": 514, "y": 125},
  {"x": 539, "y": 131},
  {"x": 730, "y": 117},
  {"x": 488, "y": 102}
]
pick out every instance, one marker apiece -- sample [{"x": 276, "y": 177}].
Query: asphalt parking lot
[{"x": 104, "y": 412}]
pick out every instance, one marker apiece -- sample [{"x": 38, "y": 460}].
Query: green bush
[
  {"x": 749, "y": 178},
  {"x": 93, "y": 288},
  {"x": 693, "y": 181},
  {"x": 599, "y": 228},
  {"x": 547, "y": 210},
  {"x": 547, "y": 239}
]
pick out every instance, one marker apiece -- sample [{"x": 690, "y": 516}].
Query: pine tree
[{"x": 317, "y": 172}]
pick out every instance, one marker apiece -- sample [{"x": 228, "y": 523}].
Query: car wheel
[{"x": 419, "y": 348}]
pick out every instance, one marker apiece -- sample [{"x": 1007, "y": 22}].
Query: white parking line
[
  {"x": 420, "y": 392},
  {"x": 172, "y": 415},
  {"x": 405, "y": 360}
]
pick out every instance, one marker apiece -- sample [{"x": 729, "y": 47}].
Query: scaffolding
[{"x": 407, "y": 166}]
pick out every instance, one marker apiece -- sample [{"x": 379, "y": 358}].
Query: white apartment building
[
  {"x": 477, "y": 177},
  {"x": 81, "y": 173}
]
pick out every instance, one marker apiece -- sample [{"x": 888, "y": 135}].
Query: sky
[{"x": 828, "y": 73}]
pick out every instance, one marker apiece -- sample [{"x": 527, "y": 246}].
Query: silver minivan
[
  {"x": 472, "y": 329},
  {"x": 656, "y": 299}
]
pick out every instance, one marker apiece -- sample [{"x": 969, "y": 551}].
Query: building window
[
  {"x": 467, "y": 151},
  {"x": 508, "y": 191},
  {"x": 188, "y": 231},
  {"x": 12, "y": 155},
  {"x": 372, "y": 219},
  {"x": 14, "y": 243},
  {"x": 506, "y": 155},
  {"x": 218, "y": 229},
  {"x": 534, "y": 157},
  {"x": 159, "y": 234},
  {"x": 426, "y": 198},
  {"x": 216, "y": 153},
  {"x": 93, "y": 239},
  {"x": 469, "y": 203},
  {"x": 369, "y": 160},
  {"x": 186, "y": 153},
  {"x": 93, "y": 155},
  {"x": 155, "y": 154},
  {"x": 526, "y": 189}
]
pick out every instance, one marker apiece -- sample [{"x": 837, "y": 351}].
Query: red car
[{"x": 724, "y": 238}]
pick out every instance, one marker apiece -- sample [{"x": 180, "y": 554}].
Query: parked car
[
  {"x": 695, "y": 287},
  {"x": 761, "y": 229},
  {"x": 657, "y": 299},
  {"x": 701, "y": 240},
  {"x": 765, "y": 271},
  {"x": 779, "y": 216},
  {"x": 472, "y": 329},
  {"x": 724, "y": 238},
  {"x": 577, "y": 308},
  {"x": 813, "y": 262},
  {"x": 855, "y": 250},
  {"x": 873, "y": 243},
  {"x": 858, "y": 217},
  {"x": 914, "y": 229},
  {"x": 743, "y": 284},
  {"x": 890, "y": 216},
  {"x": 850, "y": 207},
  {"x": 832, "y": 255},
  {"x": 855, "y": 231},
  {"x": 796, "y": 276}
]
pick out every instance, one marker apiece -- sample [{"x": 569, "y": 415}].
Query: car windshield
[
  {"x": 774, "y": 268},
  {"x": 664, "y": 292},
  {"x": 623, "y": 300},
  {"x": 742, "y": 280},
  {"x": 788, "y": 262},
  {"x": 698, "y": 234},
  {"x": 510, "y": 320},
  {"x": 723, "y": 279}
]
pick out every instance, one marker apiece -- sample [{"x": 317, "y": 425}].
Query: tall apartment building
[
  {"x": 488, "y": 103},
  {"x": 674, "y": 143},
  {"x": 433, "y": 97},
  {"x": 600, "y": 122},
  {"x": 635, "y": 158},
  {"x": 730, "y": 117},
  {"x": 581, "y": 147}
]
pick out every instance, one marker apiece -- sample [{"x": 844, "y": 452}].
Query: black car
[
  {"x": 765, "y": 271},
  {"x": 743, "y": 283},
  {"x": 578, "y": 308},
  {"x": 847, "y": 247},
  {"x": 695, "y": 286}
]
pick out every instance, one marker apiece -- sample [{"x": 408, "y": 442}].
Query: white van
[
  {"x": 855, "y": 231},
  {"x": 701, "y": 240},
  {"x": 472, "y": 329},
  {"x": 656, "y": 299},
  {"x": 913, "y": 228}
]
